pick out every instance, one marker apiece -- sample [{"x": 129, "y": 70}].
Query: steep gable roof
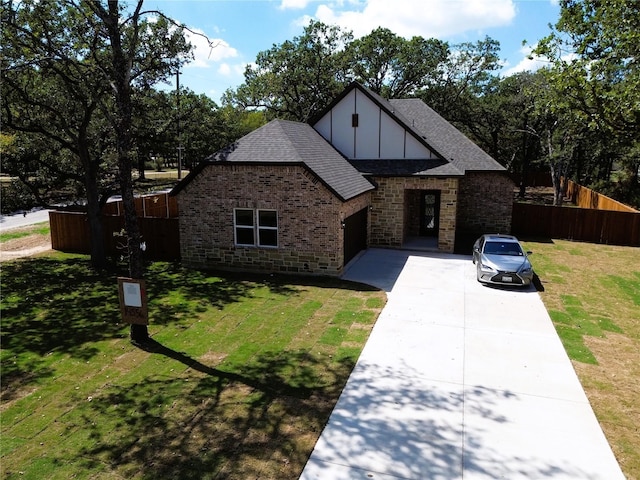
[
  {"x": 384, "y": 104},
  {"x": 458, "y": 153},
  {"x": 450, "y": 142},
  {"x": 284, "y": 142}
]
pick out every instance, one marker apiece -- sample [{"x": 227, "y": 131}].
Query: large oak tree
[
  {"x": 69, "y": 69},
  {"x": 67, "y": 62}
]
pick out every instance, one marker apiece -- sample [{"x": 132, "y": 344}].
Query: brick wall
[
  {"x": 393, "y": 211},
  {"x": 310, "y": 237},
  {"x": 485, "y": 203}
]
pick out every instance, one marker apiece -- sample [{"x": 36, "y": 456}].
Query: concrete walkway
[{"x": 458, "y": 381}]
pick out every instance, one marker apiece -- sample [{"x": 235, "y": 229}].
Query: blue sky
[{"x": 242, "y": 28}]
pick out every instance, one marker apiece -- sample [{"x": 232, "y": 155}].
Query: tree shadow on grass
[
  {"x": 257, "y": 421},
  {"x": 265, "y": 374},
  {"x": 64, "y": 306}
]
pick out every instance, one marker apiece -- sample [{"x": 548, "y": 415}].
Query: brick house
[{"x": 297, "y": 197}]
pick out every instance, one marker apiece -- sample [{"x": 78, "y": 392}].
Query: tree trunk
[
  {"x": 94, "y": 216},
  {"x": 526, "y": 160},
  {"x": 139, "y": 333},
  {"x": 556, "y": 181},
  {"x": 556, "y": 172},
  {"x": 141, "y": 162},
  {"x": 122, "y": 65}
]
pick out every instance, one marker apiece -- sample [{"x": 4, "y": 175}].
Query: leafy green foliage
[
  {"x": 68, "y": 71},
  {"x": 596, "y": 74},
  {"x": 296, "y": 79},
  {"x": 394, "y": 67}
]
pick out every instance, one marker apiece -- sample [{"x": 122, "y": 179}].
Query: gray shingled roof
[
  {"x": 287, "y": 142},
  {"x": 404, "y": 168},
  {"x": 446, "y": 139}
]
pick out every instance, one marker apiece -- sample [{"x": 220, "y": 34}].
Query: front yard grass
[
  {"x": 246, "y": 369},
  {"x": 39, "y": 229},
  {"x": 592, "y": 293},
  {"x": 240, "y": 380}
]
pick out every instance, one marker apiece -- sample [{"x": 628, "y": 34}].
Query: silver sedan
[{"x": 500, "y": 260}]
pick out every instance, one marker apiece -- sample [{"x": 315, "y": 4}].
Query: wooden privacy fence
[
  {"x": 582, "y": 224},
  {"x": 70, "y": 230},
  {"x": 160, "y": 205},
  {"x": 586, "y": 198}
]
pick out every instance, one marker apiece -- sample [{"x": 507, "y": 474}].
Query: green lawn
[
  {"x": 239, "y": 384},
  {"x": 37, "y": 229},
  {"x": 247, "y": 368}
]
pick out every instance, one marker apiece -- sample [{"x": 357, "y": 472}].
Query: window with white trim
[
  {"x": 243, "y": 220},
  {"x": 255, "y": 227},
  {"x": 267, "y": 228}
]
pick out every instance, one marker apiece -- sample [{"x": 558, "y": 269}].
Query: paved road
[
  {"x": 458, "y": 381},
  {"x": 17, "y": 220},
  {"x": 24, "y": 219}
]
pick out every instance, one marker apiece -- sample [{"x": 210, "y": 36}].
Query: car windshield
[{"x": 502, "y": 248}]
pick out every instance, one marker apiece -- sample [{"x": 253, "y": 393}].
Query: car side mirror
[{"x": 529, "y": 252}]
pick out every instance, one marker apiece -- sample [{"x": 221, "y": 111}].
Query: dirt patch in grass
[
  {"x": 592, "y": 293},
  {"x": 535, "y": 195},
  {"x": 31, "y": 242},
  {"x": 212, "y": 358}
]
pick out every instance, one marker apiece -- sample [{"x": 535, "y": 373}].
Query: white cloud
[
  {"x": 529, "y": 62},
  {"x": 294, "y": 4},
  {"x": 207, "y": 51},
  {"x": 232, "y": 70},
  {"x": 426, "y": 18},
  {"x": 224, "y": 69}
]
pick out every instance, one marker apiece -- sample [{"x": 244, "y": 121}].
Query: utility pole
[{"x": 179, "y": 137}]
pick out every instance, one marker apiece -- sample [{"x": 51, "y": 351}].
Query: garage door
[{"x": 355, "y": 234}]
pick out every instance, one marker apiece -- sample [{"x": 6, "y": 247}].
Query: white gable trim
[{"x": 360, "y": 129}]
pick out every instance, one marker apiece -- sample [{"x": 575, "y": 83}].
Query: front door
[{"x": 429, "y": 212}]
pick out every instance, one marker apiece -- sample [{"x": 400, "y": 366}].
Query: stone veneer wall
[
  {"x": 310, "y": 237},
  {"x": 485, "y": 203},
  {"x": 390, "y": 209}
]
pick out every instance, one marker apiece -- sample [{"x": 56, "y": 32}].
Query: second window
[{"x": 256, "y": 227}]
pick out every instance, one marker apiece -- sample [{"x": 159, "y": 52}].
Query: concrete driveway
[{"x": 458, "y": 381}]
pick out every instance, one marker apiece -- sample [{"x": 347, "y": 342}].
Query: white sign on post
[
  {"x": 133, "y": 301},
  {"x": 132, "y": 297}
]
